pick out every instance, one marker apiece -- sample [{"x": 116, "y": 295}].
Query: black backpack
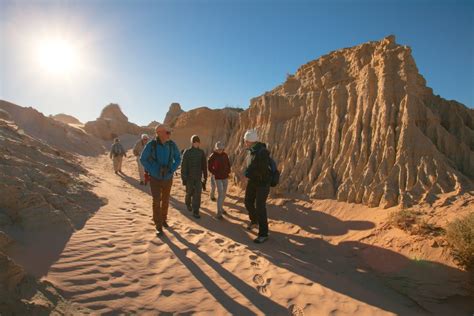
[{"x": 274, "y": 172}]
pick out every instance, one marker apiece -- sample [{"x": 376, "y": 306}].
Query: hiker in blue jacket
[{"x": 160, "y": 158}]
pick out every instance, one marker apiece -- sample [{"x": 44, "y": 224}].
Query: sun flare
[{"x": 57, "y": 56}]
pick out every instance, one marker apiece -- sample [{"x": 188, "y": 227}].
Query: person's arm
[
  {"x": 204, "y": 165},
  {"x": 184, "y": 167},
  {"x": 145, "y": 155},
  {"x": 176, "y": 158},
  {"x": 135, "y": 149},
  {"x": 210, "y": 163}
]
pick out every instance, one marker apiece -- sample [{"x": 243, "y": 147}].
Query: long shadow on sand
[
  {"x": 264, "y": 304},
  {"x": 37, "y": 250},
  {"x": 344, "y": 267}
]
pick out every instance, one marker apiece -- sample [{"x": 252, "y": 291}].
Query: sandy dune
[{"x": 310, "y": 266}]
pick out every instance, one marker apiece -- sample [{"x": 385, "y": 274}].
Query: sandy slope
[{"x": 310, "y": 266}]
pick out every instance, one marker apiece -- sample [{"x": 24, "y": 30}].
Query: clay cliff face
[
  {"x": 360, "y": 125},
  {"x": 112, "y": 123},
  {"x": 210, "y": 125}
]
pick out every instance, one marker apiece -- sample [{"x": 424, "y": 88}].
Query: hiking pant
[
  {"x": 141, "y": 170},
  {"x": 160, "y": 191},
  {"x": 193, "y": 194},
  {"x": 221, "y": 193},
  {"x": 118, "y": 163},
  {"x": 213, "y": 187},
  {"x": 256, "y": 204}
]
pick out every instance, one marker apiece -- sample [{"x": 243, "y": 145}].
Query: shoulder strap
[
  {"x": 171, "y": 148},
  {"x": 153, "y": 150}
]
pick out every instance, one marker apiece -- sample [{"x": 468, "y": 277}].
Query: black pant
[
  {"x": 193, "y": 194},
  {"x": 256, "y": 204}
]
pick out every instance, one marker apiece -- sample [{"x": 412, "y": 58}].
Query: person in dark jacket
[
  {"x": 161, "y": 158},
  {"x": 219, "y": 167},
  {"x": 258, "y": 184},
  {"x": 194, "y": 175}
]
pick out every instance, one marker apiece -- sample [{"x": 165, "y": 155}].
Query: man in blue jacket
[{"x": 160, "y": 158}]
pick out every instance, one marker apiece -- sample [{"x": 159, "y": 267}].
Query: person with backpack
[
  {"x": 137, "y": 151},
  {"x": 261, "y": 173},
  {"x": 161, "y": 159},
  {"x": 194, "y": 175},
  {"x": 117, "y": 152},
  {"x": 219, "y": 167}
]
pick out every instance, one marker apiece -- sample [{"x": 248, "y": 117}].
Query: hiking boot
[
  {"x": 213, "y": 199},
  {"x": 260, "y": 239},
  {"x": 189, "y": 208},
  {"x": 159, "y": 232},
  {"x": 219, "y": 216},
  {"x": 116, "y": 172},
  {"x": 224, "y": 212},
  {"x": 165, "y": 225},
  {"x": 196, "y": 215},
  {"x": 250, "y": 226}
]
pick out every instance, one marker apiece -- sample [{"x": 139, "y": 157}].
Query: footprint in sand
[
  {"x": 264, "y": 290},
  {"x": 295, "y": 310},
  {"x": 195, "y": 231},
  {"x": 167, "y": 293},
  {"x": 219, "y": 241},
  {"x": 259, "y": 280}
]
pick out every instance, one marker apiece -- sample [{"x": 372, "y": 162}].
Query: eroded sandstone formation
[
  {"x": 210, "y": 125},
  {"x": 173, "y": 113},
  {"x": 65, "y": 118},
  {"x": 360, "y": 125},
  {"x": 52, "y": 132},
  {"x": 113, "y": 123}
]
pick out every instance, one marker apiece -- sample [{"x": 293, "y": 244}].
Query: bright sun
[{"x": 58, "y": 56}]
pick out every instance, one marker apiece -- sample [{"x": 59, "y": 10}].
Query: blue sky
[{"x": 145, "y": 55}]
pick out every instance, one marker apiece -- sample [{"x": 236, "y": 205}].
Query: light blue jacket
[{"x": 153, "y": 163}]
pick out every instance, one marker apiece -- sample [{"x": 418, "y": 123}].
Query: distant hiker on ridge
[
  {"x": 137, "y": 151},
  {"x": 219, "y": 167},
  {"x": 117, "y": 152},
  {"x": 161, "y": 158},
  {"x": 194, "y": 175},
  {"x": 260, "y": 178}
]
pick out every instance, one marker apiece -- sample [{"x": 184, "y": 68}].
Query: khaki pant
[
  {"x": 160, "y": 190},
  {"x": 141, "y": 170},
  {"x": 118, "y": 163}
]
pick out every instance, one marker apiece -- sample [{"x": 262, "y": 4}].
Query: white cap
[
  {"x": 145, "y": 136},
  {"x": 251, "y": 136},
  {"x": 219, "y": 145}
]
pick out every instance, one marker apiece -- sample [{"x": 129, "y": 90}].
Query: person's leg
[
  {"x": 165, "y": 199},
  {"x": 220, "y": 196},
  {"x": 141, "y": 170},
  {"x": 213, "y": 188},
  {"x": 225, "y": 184},
  {"x": 189, "y": 194},
  {"x": 120, "y": 159},
  {"x": 156, "y": 194},
  {"x": 197, "y": 196},
  {"x": 250, "y": 196},
  {"x": 262, "y": 195},
  {"x": 116, "y": 164}
]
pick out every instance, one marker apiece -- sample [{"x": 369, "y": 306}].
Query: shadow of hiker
[
  {"x": 135, "y": 183},
  {"x": 227, "y": 302},
  {"x": 341, "y": 268},
  {"x": 264, "y": 304}
]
